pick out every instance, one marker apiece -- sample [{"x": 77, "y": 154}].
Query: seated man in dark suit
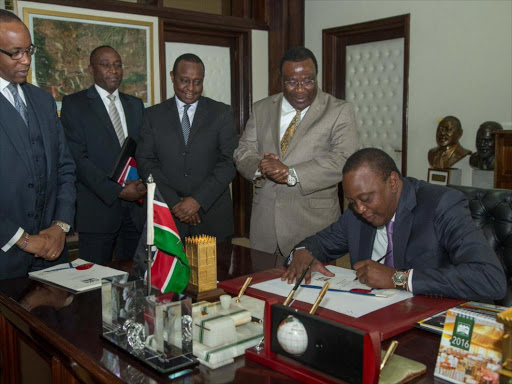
[
  {"x": 404, "y": 233},
  {"x": 37, "y": 197},
  {"x": 97, "y": 121},
  {"x": 187, "y": 144}
]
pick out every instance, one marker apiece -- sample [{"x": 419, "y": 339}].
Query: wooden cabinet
[{"x": 503, "y": 160}]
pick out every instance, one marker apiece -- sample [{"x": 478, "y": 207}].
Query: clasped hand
[
  {"x": 133, "y": 190},
  {"x": 187, "y": 210},
  {"x": 272, "y": 168},
  {"x": 48, "y": 244}
]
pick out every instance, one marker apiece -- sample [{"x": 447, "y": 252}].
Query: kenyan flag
[{"x": 170, "y": 271}]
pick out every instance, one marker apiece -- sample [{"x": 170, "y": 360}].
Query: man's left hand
[
  {"x": 375, "y": 275},
  {"x": 272, "y": 168},
  {"x": 54, "y": 244},
  {"x": 186, "y": 208}
]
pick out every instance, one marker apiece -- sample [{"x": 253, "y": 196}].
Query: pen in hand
[
  {"x": 380, "y": 259},
  {"x": 298, "y": 282}
]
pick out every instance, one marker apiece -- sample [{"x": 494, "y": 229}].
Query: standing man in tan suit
[{"x": 293, "y": 149}]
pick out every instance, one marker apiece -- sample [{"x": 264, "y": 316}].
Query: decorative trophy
[{"x": 202, "y": 257}]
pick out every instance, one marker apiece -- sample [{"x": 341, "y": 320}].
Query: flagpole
[{"x": 150, "y": 228}]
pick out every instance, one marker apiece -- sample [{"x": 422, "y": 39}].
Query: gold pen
[
  {"x": 242, "y": 291},
  {"x": 319, "y": 298},
  {"x": 389, "y": 353}
]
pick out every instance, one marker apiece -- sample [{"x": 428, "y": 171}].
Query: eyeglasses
[
  {"x": 110, "y": 65},
  {"x": 294, "y": 84},
  {"x": 17, "y": 55}
]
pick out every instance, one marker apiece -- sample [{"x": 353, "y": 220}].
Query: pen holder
[{"x": 307, "y": 348}]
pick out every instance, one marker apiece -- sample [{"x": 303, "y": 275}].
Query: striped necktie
[
  {"x": 116, "y": 119},
  {"x": 185, "y": 123},
  {"x": 18, "y": 103},
  {"x": 288, "y": 135}
]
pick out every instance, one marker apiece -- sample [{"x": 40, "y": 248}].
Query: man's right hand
[
  {"x": 301, "y": 260},
  {"x": 133, "y": 191}
]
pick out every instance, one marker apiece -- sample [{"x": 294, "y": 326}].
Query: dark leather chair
[{"x": 492, "y": 212}]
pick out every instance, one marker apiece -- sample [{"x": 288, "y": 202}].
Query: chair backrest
[{"x": 492, "y": 212}]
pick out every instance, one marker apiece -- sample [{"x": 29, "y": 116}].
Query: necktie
[
  {"x": 116, "y": 119},
  {"x": 18, "y": 103},
  {"x": 389, "y": 259},
  {"x": 185, "y": 123},
  {"x": 287, "y": 137}
]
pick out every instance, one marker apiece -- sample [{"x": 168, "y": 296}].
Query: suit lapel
[
  {"x": 172, "y": 125},
  {"x": 98, "y": 107},
  {"x": 200, "y": 118},
  {"x": 13, "y": 130},
  {"x": 314, "y": 112},
  {"x": 129, "y": 115},
  {"x": 403, "y": 223},
  {"x": 366, "y": 241},
  {"x": 275, "y": 121},
  {"x": 33, "y": 102}
]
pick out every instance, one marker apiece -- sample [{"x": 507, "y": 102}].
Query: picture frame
[
  {"x": 438, "y": 176},
  {"x": 65, "y": 37}
]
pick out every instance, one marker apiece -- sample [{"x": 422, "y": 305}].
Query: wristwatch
[
  {"x": 400, "y": 279},
  {"x": 292, "y": 177},
  {"x": 64, "y": 226}
]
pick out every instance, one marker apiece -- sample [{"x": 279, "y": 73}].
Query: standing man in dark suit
[
  {"x": 97, "y": 121},
  {"x": 37, "y": 197},
  {"x": 187, "y": 144},
  {"x": 404, "y": 233}
]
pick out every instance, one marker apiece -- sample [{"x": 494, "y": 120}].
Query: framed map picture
[{"x": 65, "y": 37}]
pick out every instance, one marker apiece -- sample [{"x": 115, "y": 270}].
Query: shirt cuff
[
  {"x": 257, "y": 174},
  {"x": 409, "y": 281},
  {"x": 13, "y": 240}
]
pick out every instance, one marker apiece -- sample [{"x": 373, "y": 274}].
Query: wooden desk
[{"x": 68, "y": 339}]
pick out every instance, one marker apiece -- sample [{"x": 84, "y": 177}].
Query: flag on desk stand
[{"x": 170, "y": 271}]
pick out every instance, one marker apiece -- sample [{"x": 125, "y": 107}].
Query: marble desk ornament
[{"x": 155, "y": 329}]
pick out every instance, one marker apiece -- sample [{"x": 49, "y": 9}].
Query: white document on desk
[
  {"x": 70, "y": 278},
  {"x": 349, "y": 304}
]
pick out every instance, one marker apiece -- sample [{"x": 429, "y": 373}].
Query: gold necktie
[{"x": 287, "y": 137}]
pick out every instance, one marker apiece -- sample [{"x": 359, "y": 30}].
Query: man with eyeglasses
[
  {"x": 97, "y": 121},
  {"x": 187, "y": 144},
  {"x": 37, "y": 198},
  {"x": 293, "y": 149}
]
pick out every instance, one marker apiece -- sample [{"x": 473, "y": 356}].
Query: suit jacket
[
  {"x": 433, "y": 234},
  {"x": 17, "y": 195},
  {"x": 95, "y": 148},
  {"x": 322, "y": 142},
  {"x": 202, "y": 169}
]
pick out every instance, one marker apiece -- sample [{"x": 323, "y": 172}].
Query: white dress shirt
[
  {"x": 380, "y": 246},
  {"x": 103, "y": 94},
  {"x": 181, "y": 108},
  {"x": 8, "y": 95},
  {"x": 287, "y": 114}
]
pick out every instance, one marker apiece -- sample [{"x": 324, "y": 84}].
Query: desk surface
[{"x": 74, "y": 330}]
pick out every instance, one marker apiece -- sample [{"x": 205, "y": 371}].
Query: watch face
[{"x": 399, "y": 278}]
